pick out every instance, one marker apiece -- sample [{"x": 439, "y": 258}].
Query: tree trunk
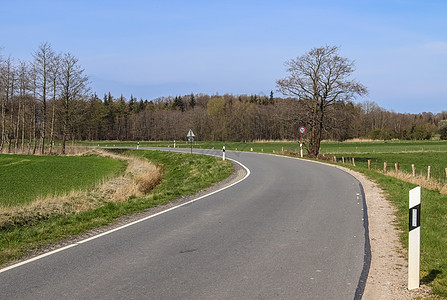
[{"x": 3, "y": 125}]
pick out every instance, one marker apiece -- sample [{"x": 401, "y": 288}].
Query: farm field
[
  {"x": 422, "y": 160},
  {"x": 25, "y": 177},
  {"x": 270, "y": 146}
]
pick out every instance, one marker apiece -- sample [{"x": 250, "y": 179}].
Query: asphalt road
[{"x": 293, "y": 229}]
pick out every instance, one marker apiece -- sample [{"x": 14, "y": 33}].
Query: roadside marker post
[
  {"x": 414, "y": 238},
  {"x": 223, "y": 153},
  {"x": 138, "y": 145},
  {"x": 302, "y": 131}
]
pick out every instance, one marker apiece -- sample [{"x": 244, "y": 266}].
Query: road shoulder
[{"x": 388, "y": 273}]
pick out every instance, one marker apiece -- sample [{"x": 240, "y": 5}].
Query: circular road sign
[{"x": 302, "y": 130}]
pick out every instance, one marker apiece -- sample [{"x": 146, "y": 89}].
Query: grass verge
[{"x": 183, "y": 175}]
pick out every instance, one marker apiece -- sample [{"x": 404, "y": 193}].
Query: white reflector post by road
[
  {"x": 414, "y": 238},
  {"x": 223, "y": 153}
]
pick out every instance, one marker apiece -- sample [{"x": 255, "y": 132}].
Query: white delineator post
[
  {"x": 301, "y": 150},
  {"x": 223, "y": 153},
  {"x": 414, "y": 238}
]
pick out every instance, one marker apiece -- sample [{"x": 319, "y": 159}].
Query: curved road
[{"x": 293, "y": 229}]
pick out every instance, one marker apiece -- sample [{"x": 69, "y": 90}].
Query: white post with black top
[
  {"x": 223, "y": 153},
  {"x": 414, "y": 238}
]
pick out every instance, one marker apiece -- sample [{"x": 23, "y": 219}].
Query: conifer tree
[{"x": 192, "y": 101}]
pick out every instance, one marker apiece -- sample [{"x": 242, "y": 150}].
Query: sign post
[
  {"x": 414, "y": 238},
  {"x": 302, "y": 131},
  {"x": 190, "y": 137}
]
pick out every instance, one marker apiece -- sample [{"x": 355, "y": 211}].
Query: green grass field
[
  {"x": 269, "y": 147},
  {"x": 25, "y": 177},
  {"x": 436, "y": 160}
]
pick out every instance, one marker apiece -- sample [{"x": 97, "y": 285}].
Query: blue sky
[{"x": 167, "y": 48}]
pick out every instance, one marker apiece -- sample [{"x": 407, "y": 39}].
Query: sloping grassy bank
[{"x": 183, "y": 174}]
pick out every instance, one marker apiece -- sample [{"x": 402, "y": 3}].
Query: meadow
[
  {"x": 327, "y": 147},
  {"x": 26, "y": 177}
]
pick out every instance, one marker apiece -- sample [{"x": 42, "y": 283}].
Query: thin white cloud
[{"x": 437, "y": 47}]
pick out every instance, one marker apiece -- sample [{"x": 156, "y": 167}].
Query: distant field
[
  {"x": 383, "y": 147},
  {"x": 231, "y": 146},
  {"x": 25, "y": 177},
  {"x": 269, "y": 147},
  {"x": 436, "y": 160}
]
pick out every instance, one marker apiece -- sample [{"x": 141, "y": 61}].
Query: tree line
[
  {"x": 38, "y": 100},
  {"x": 48, "y": 99}
]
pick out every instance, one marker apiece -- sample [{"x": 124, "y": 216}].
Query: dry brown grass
[
  {"x": 139, "y": 178},
  {"x": 420, "y": 180},
  {"x": 274, "y": 141},
  {"x": 56, "y": 150}
]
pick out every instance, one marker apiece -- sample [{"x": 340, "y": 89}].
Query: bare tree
[
  {"x": 10, "y": 92},
  {"x": 54, "y": 75},
  {"x": 43, "y": 59},
  {"x": 319, "y": 79},
  {"x": 3, "y": 101},
  {"x": 73, "y": 85}
]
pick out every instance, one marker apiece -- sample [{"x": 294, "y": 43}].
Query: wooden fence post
[
  {"x": 353, "y": 161},
  {"x": 343, "y": 159},
  {"x": 384, "y": 167},
  {"x": 413, "y": 169},
  {"x": 396, "y": 167},
  {"x": 445, "y": 172},
  {"x": 428, "y": 173},
  {"x": 369, "y": 164}
]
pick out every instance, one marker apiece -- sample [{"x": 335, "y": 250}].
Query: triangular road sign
[{"x": 190, "y": 134}]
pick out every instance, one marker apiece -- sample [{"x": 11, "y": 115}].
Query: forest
[{"x": 48, "y": 99}]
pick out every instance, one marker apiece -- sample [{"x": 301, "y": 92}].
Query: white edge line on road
[{"x": 126, "y": 225}]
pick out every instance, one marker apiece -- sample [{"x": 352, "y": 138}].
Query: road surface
[{"x": 293, "y": 229}]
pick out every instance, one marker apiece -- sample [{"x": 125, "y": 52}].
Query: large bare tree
[{"x": 320, "y": 78}]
